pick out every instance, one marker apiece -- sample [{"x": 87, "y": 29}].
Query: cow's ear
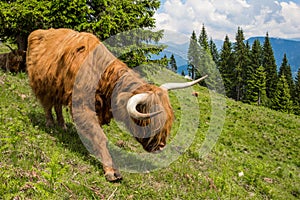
[{"x": 123, "y": 97}]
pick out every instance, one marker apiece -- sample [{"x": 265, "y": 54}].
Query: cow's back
[{"x": 54, "y": 57}]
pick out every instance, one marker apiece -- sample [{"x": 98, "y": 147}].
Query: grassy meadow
[{"x": 256, "y": 155}]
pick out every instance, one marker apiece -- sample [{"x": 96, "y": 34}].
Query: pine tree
[
  {"x": 203, "y": 39},
  {"x": 173, "y": 64},
  {"x": 182, "y": 73},
  {"x": 285, "y": 69},
  {"x": 164, "y": 61},
  {"x": 240, "y": 62},
  {"x": 282, "y": 98},
  {"x": 193, "y": 55},
  {"x": 260, "y": 87},
  {"x": 257, "y": 85},
  {"x": 256, "y": 54},
  {"x": 248, "y": 72},
  {"x": 226, "y": 66},
  {"x": 269, "y": 64},
  {"x": 297, "y": 93},
  {"x": 253, "y": 75},
  {"x": 207, "y": 66},
  {"x": 201, "y": 62},
  {"x": 214, "y": 51}
]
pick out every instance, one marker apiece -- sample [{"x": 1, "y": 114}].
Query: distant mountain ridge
[{"x": 279, "y": 45}]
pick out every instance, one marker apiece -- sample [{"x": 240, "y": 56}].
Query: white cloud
[
  {"x": 291, "y": 13},
  {"x": 256, "y": 17}
]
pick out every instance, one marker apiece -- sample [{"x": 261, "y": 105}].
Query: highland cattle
[{"x": 55, "y": 57}]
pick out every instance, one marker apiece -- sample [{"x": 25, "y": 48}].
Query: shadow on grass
[
  {"x": 70, "y": 139},
  {"x": 67, "y": 138}
]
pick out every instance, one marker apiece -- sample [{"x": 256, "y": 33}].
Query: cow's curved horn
[
  {"x": 133, "y": 102},
  {"x": 175, "y": 86}
]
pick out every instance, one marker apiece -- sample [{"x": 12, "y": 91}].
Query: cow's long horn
[
  {"x": 175, "y": 86},
  {"x": 133, "y": 102}
]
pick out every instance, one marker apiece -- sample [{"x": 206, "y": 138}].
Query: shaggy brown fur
[
  {"x": 54, "y": 58},
  {"x": 121, "y": 83},
  {"x": 13, "y": 61}
]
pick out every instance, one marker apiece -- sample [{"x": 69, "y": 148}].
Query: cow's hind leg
[
  {"x": 49, "y": 116},
  {"x": 60, "y": 117}
]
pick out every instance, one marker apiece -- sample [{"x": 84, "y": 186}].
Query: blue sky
[{"x": 281, "y": 18}]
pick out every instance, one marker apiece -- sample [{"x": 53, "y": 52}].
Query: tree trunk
[{"x": 22, "y": 42}]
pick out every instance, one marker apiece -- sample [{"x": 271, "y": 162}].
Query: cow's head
[{"x": 150, "y": 115}]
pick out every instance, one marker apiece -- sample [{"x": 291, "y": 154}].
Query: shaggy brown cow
[
  {"x": 13, "y": 61},
  {"x": 57, "y": 56}
]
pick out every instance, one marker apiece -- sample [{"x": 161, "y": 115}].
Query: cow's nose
[{"x": 161, "y": 146}]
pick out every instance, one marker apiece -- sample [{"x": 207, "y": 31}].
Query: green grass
[{"x": 42, "y": 163}]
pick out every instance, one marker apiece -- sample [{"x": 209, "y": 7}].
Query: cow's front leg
[
  {"x": 101, "y": 151},
  {"x": 95, "y": 140}
]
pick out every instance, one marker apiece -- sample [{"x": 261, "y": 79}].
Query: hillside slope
[{"x": 255, "y": 157}]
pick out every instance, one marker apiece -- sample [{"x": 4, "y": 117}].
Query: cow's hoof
[
  {"x": 113, "y": 176},
  {"x": 118, "y": 175}
]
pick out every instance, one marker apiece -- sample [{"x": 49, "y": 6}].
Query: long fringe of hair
[{"x": 117, "y": 85}]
